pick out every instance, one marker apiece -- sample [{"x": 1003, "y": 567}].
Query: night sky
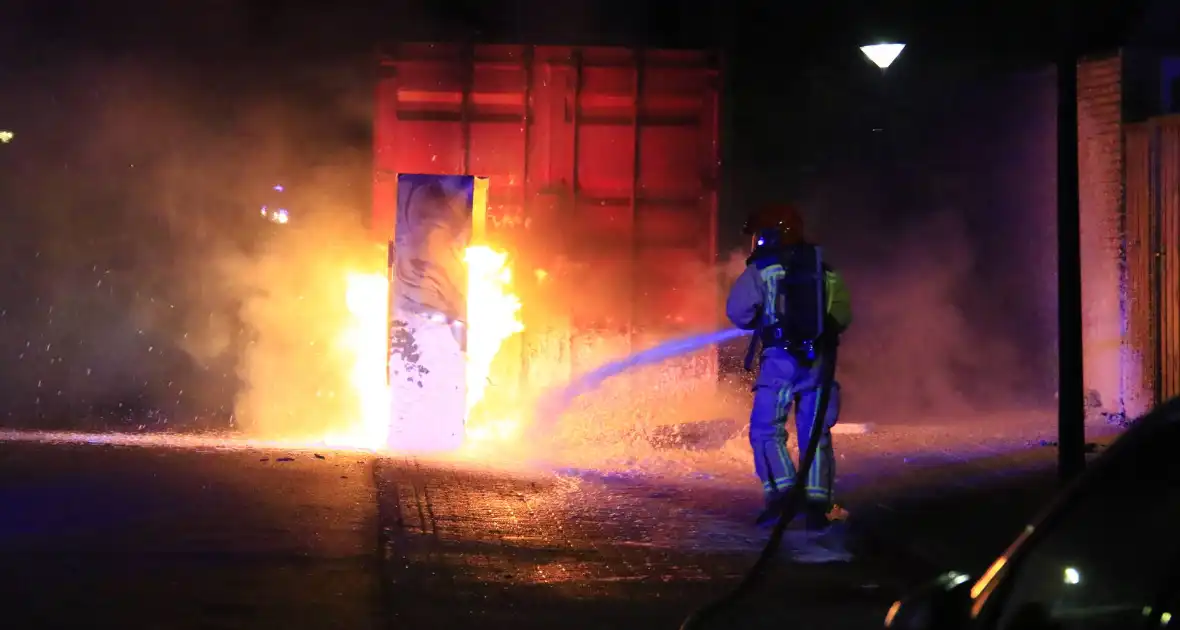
[
  {"x": 931, "y": 185},
  {"x": 786, "y": 62}
]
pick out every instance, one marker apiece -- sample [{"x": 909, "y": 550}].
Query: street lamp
[
  {"x": 882, "y": 54},
  {"x": 6, "y": 137}
]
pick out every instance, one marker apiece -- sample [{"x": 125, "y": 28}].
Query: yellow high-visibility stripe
[{"x": 780, "y": 417}]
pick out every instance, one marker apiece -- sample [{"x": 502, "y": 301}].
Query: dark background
[{"x": 145, "y": 132}]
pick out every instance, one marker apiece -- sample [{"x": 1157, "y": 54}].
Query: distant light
[
  {"x": 6, "y": 136},
  {"x": 279, "y": 187},
  {"x": 892, "y": 614},
  {"x": 882, "y": 54},
  {"x": 1072, "y": 576},
  {"x": 279, "y": 216}
]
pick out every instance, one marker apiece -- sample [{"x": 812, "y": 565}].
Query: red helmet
[{"x": 781, "y": 218}]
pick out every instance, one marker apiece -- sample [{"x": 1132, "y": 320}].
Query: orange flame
[
  {"x": 494, "y": 314},
  {"x": 494, "y": 317}
]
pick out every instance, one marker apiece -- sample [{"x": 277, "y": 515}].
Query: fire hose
[{"x": 792, "y": 502}]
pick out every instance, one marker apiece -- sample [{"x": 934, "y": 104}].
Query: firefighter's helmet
[{"x": 781, "y": 223}]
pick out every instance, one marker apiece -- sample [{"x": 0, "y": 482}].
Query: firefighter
[{"x": 797, "y": 307}]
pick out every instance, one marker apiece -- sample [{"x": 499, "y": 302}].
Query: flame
[
  {"x": 494, "y": 314},
  {"x": 494, "y": 317},
  {"x": 367, "y": 298}
]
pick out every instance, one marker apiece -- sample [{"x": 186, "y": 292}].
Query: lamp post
[{"x": 1071, "y": 407}]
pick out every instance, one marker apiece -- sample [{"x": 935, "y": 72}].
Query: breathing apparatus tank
[{"x": 796, "y": 305}]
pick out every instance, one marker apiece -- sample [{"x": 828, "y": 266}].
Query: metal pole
[{"x": 1071, "y": 412}]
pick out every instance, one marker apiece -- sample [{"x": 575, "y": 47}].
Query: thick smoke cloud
[
  {"x": 142, "y": 278},
  {"x": 917, "y": 352},
  {"x": 935, "y": 199},
  {"x": 145, "y": 286},
  {"x": 99, "y": 245},
  {"x": 953, "y": 259}
]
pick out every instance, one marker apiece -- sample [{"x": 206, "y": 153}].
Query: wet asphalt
[{"x": 138, "y": 537}]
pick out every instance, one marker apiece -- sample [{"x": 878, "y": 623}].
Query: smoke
[
  {"x": 932, "y": 194},
  {"x": 97, "y": 295},
  {"x": 145, "y": 290},
  {"x": 918, "y": 350},
  {"x": 923, "y": 345},
  {"x": 293, "y": 366},
  {"x": 932, "y": 342},
  {"x": 143, "y": 278},
  {"x": 923, "y": 348}
]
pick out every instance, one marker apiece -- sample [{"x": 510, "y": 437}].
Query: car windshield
[{"x": 1113, "y": 548}]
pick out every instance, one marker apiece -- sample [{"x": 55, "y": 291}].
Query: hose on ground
[{"x": 792, "y": 503}]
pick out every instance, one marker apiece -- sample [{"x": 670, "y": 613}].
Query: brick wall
[{"x": 1100, "y": 161}]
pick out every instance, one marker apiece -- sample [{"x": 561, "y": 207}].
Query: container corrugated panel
[{"x": 603, "y": 165}]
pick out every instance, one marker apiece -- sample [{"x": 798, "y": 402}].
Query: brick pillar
[{"x": 1100, "y": 161}]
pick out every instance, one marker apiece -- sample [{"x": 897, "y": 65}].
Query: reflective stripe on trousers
[{"x": 768, "y": 439}]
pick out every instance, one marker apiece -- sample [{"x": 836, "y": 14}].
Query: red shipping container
[{"x": 603, "y": 165}]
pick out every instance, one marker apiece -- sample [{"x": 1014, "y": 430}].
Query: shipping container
[{"x": 603, "y": 167}]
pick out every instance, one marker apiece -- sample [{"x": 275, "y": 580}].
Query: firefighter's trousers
[{"x": 773, "y": 403}]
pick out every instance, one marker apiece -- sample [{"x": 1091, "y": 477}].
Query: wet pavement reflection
[{"x": 147, "y": 536}]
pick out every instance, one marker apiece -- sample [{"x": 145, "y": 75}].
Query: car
[{"x": 1105, "y": 554}]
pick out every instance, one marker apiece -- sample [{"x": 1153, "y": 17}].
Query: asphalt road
[
  {"x": 129, "y": 537},
  {"x": 139, "y": 537}
]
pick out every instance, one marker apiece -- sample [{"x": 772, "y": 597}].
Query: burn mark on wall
[{"x": 404, "y": 348}]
